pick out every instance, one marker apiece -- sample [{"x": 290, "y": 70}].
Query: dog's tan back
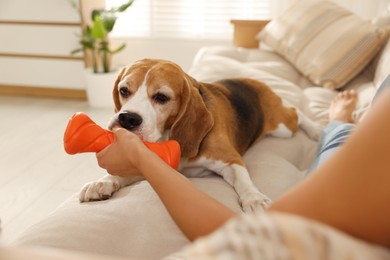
[{"x": 244, "y": 111}]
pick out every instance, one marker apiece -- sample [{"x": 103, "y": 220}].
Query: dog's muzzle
[{"x": 129, "y": 120}]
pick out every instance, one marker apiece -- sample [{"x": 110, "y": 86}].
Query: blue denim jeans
[
  {"x": 333, "y": 135},
  {"x": 336, "y": 132}
]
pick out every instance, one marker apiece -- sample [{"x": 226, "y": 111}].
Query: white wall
[{"x": 366, "y": 8}]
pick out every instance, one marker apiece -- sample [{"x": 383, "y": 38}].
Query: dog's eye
[
  {"x": 124, "y": 92},
  {"x": 160, "y": 98}
]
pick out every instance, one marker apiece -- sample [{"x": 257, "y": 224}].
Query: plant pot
[{"x": 99, "y": 88}]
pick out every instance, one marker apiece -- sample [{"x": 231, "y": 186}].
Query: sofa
[{"x": 306, "y": 61}]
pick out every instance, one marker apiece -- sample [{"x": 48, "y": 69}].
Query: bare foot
[{"x": 342, "y": 106}]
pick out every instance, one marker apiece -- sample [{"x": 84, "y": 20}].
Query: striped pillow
[{"x": 327, "y": 43}]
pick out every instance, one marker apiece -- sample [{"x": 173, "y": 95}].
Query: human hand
[{"x": 122, "y": 157}]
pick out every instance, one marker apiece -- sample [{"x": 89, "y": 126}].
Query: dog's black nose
[{"x": 130, "y": 121}]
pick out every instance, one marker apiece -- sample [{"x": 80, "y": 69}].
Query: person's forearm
[{"x": 195, "y": 213}]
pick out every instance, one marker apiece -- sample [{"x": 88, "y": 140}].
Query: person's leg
[
  {"x": 351, "y": 190},
  {"x": 339, "y": 128}
]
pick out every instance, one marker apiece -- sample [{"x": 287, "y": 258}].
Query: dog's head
[{"x": 154, "y": 98}]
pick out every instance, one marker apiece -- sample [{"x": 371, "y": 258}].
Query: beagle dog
[{"x": 214, "y": 123}]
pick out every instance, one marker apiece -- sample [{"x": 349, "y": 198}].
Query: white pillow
[
  {"x": 382, "y": 68},
  {"x": 327, "y": 43}
]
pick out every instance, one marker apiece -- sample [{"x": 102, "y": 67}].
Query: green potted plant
[
  {"x": 94, "y": 38},
  {"x": 94, "y": 42}
]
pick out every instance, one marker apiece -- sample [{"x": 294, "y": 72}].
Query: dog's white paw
[
  {"x": 255, "y": 202},
  {"x": 98, "y": 190}
]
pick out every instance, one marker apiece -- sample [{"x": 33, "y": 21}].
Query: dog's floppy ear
[
  {"x": 115, "y": 92},
  {"x": 194, "y": 120}
]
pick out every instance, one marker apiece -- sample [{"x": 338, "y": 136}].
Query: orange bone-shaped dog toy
[{"x": 84, "y": 135}]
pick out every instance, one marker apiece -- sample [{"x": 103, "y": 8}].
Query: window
[{"x": 191, "y": 19}]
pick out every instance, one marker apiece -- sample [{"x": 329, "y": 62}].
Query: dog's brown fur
[{"x": 219, "y": 120}]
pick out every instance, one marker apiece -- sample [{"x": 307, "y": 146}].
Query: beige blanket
[{"x": 279, "y": 236}]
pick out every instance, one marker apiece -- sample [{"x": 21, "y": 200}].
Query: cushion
[
  {"x": 325, "y": 42},
  {"x": 378, "y": 66},
  {"x": 134, "y": 223},
  {"x": 382, "y": 68}
]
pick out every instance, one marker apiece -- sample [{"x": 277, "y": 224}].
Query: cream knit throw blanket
[{"x": 279, "y": 236}]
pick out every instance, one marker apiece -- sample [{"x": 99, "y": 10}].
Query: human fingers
[
  {"x": 124, "y": 136},
  {"x": 115, "y": 162},
  {"x": 122, "y": 157}
]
